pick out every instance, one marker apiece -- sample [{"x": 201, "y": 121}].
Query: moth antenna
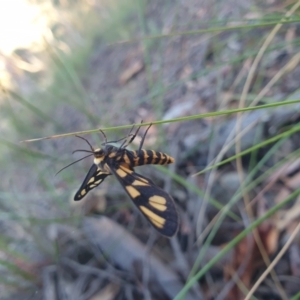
[
  {"x": 82, "y": 150},
  {"x": 86, "y": 141},
  {"x": 74, "y": 162}
]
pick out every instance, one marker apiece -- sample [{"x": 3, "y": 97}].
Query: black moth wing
[
  {"x": 154, "y": 203},
  {"x": 93, "y": 178}
]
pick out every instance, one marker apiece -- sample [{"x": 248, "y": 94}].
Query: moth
[{"x": 153, "y": 202}]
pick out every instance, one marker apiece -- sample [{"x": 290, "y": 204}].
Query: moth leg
[{"x": 143, "y": 139}]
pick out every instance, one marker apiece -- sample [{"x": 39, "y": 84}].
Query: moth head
[{"x": 99, "y": 153}]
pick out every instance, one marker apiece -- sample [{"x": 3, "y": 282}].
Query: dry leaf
[
  {"x": 136, "y": 67},
  {"x": 247, "y": 258}
]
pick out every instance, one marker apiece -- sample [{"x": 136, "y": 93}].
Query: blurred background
[{"x": 69, "y": 66}]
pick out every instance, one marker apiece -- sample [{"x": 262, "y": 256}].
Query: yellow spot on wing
[
  {"x": 83, "y": 192},
  {"x": 158, "y": 200},
  {"x": 91, "y": 180},
  {"x": 98, "y": 181},
  {"x": 121, "y": 172},
  {"x": 93, "y": 185},
  {"x": 158, "y": 225},
  {"x": 139, "y": 183},
  {"x": 132, "y": 191},
  {"x": 144, "y": 180},
  {"x": 159, "y": 207},
  {"x": 154, "y": 218},
  {"x": 126, "y": 168}
]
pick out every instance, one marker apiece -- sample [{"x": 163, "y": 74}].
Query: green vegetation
[{"x": 249, "y": 64}]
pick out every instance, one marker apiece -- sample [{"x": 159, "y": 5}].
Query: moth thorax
[{"x": 98, "y": 160}]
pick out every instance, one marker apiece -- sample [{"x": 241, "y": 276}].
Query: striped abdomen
[{"x": 146, "y": 157}]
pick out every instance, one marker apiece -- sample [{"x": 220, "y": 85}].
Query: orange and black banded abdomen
[{"x": 147, "y": 157}]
